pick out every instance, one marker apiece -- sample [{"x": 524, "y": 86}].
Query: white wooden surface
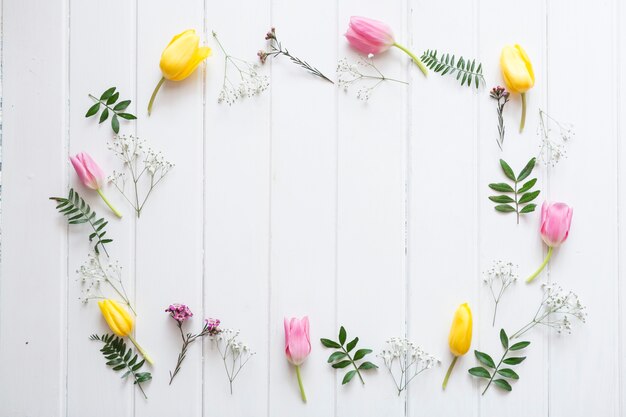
[{"x": 307, "y": 201}]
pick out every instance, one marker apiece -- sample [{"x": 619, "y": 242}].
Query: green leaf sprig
[
  {"x": 522, "y": 195},
  {"x": 466, "y": 71},
  {"x": 119, "y": 357},
  {"x": 481, "y": 372},
  {"x": 77, "y": 211},
  {"x": 342, "y": 358},
  {"x": 108, "y": 99}
]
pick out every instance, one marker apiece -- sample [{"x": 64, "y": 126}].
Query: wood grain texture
[{"x": 305, "y": 200}]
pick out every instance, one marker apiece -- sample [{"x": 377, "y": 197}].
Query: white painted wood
[{"x": 307, "y": 201}]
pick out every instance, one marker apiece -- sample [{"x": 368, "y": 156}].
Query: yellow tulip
[
  {"x": 460, "y": 337},
  {"x": 518, "y": 74},
  {"x": 121, "y": 323},
  {"x": 179, "y": 59}
]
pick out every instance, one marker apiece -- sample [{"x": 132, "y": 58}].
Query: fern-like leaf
[
  {"x": 77, "y": 212},
  {"x": 521, "y": 190},
  {"x": 119, "y": 357},
  {"x": 467, "y": 72}
]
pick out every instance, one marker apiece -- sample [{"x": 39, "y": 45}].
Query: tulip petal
[
  {"x": 297, "y": 340},
  {"x": 199, "y": 55},
  {"x": 178, "y": 54},
  {"x": 369, "y": 36}
]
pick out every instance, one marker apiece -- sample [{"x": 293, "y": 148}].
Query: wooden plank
[
  {"x": 303, "y": 203},
  {"x": 587, "y": 180},
  {"x": 102, "y": 40},
  {"x": 371, "y": 220},
  {"x": 443, "y": 205},
  {"x": 169, "y": 249},
  {"x": 237, "y": 147},
  {"x": 33, "y": 288}
]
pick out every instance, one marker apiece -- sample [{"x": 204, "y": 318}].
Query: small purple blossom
[
  {"x": 179, "y": 312},
  {"x": 212, "y": 326}
]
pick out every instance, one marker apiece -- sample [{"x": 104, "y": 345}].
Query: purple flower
[
  {"x": 212, "y": 326},
  {"x": 179, "y": 312}
]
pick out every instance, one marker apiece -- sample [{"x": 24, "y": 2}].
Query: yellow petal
[
  {"x": 517, "y": 69},
  {"x": 117, "y": 318},
  {"x": 181, "y": 34},
  {"x": 200, "y": 55},
  {"x": 460, "y": 337},
  {"x": 178, "y": 54}
]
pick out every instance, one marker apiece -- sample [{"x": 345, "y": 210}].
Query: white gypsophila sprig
[
  {"x": 498, "y": 278},
  {"x": 241, "y": 78},
  {"x": 405, "y": 360},
  {"x": 235, "y": 354},
  {"x": 552, "y": 148},
  {"x": 141, "y": 166},
  {"x": 95, "y": 272},
  {"x": 359, "y": 72},
  {"x": 556, "y": 310}
]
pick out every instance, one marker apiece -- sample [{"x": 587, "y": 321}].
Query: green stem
[
  {"x": 543, "y": 265},
  {"x": 417, "y": 61},
  {"x": 154, "y": 93},
  {"x": 495, "y": 372},
  {"x": 113, "y": 209},
  {"x": 300, "y": 383},
  {"x": 523, "y": 121},
  {"x": 141, "y": 350},
  {"x": 445, "y": 380}
]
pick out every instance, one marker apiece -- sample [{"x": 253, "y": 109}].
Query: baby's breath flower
[
  {"x": 498, "y": 278},
  {"x": 139, "y": 161},
  {"x": 247, "y": 82},
  {"x": 557, "y": 307},
  {"x": 349, "y": 74},
  {"x": 235, "y": 354},
  {"x": 405, "y": 358},
  {"x": 552, "y": 150}
]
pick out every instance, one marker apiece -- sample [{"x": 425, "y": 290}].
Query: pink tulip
[
  {"x": 297, "y": 345},
  {"x": 91, "y": 175},
  {"x": 556, "y": 219},
  {"x": 374, "y": 37}
]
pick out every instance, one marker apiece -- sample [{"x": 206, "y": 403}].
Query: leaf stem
[
  {"x": 417, "y": 61},
  {"x": 113, "y": 209},
  {"x": 495, "y": 372},
  {"x": 154, "y": 93},
  {"x": 447, "y": 377},
  {"x": 354, "y": 364},
  {"x": 300, "y": 383},
  {"x": 541, "y": 267}
]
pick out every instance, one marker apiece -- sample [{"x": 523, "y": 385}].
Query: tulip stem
[
  {"x": 141, "y": 350},
  {"x": 154, "y": 93},
  {"x": 445, "y": 380},
  {"x": 417, "y": 61},
  {"x": 300, "y": 383},
  {"x": 543, "y": 265},
  {"x": 113, "y": 209},
  {"x": 523, "y": 121}
]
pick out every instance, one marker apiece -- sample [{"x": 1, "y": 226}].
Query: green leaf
[
  {"x": 336, "y": 356},
  {"x": 360, "y": 354},
  {"x": 519, "y": 345},
  {"x": 527, "y": 186},
  {"x": 484, "y": 359},
  {"x": 104, "y": 115},
  {"x": 342, "y": 364},
  {"x": 501, "y": 383},
  {"x": 127, "y": 116},
  {"x": 113, "y": 99},
  {"x": 508, "y": 373},
  {"x": 501, "y": 199},
  {"x": 504, "y": 208},
  {"x": 528, "y": 208},
  {"x": 348, "y": 377},
  {"x": 527, "y": 169},
  {"x": 108, "y": 93},
  {"x": 368, "y": 365},
  {"x": 507, "y": 170},
  {"x": 93, "y": 110},
  {"x": 502, "y": 187},
  {"x": 528, "y": 197},
  {"x": 122, "y": 105},
  {"x": 504, "y": 339},
  {"x": 115, "y": 124},
  {"x": 352, "y": 344},
  {"x": 514, "y": 360},
  {"x": 479, "y": 372},
  {"x": 342, "y": 335},
  {"x": 330, "y": 344}
]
